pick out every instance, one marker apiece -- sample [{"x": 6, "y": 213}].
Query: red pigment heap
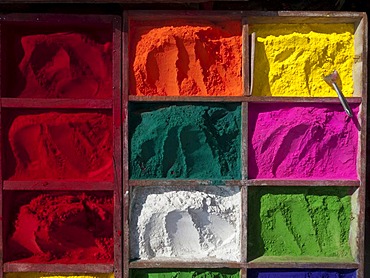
[
  {"x": 62, "y": 146},
  {"x": 182, "y": 58},
  {"x": 63, "y": 228},
  {"x": 66, "y": 65}
]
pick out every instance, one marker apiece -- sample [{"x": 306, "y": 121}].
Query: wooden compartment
[
  {"x": 199, "y": 60},
  {"x": 292, "y": 51},
  {"x": 71, "y": 70},
  {"x": 353, "y": 184}
]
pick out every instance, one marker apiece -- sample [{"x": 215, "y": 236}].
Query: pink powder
[{"x": 302, "y": 141}]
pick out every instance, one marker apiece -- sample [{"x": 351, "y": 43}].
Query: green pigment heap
[
  {"x": 185, "y": 141},
  {"x": 195, "y": 273},
  {"x": 307, "y": 222}
]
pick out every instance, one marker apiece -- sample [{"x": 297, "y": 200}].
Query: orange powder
[{"x": 179, "y": 58}]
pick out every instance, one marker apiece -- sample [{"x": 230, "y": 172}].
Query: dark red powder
[
  {"x": 62, "y": 146},
  {"x": 61, "y": 228},
  {"x": 65, "y": 65}
]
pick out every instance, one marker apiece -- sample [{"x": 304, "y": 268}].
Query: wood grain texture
[
  {"x": 58, "y": 268},
  {"x": 58, "y": 185},
  {"x": 56, "y": 103},
  {"x": 117, "y": 145}
]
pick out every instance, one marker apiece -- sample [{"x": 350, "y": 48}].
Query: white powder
[{"x": 187, "y": 223}]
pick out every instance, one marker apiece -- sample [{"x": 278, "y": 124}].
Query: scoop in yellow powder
[
  {"x": 291, "y": 59},
  {"x": 45, "y": 275}
]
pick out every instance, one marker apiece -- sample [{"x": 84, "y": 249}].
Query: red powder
[
  {"x": 65, "y": 65},
  {"x": 63, "y": 228},
  {"x": 182, "y": 58},
  {"x": 62, "y": 146}
]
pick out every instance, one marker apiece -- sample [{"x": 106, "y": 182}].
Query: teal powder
[
  {"x": 305, "y": 221},
  {"x": 185, "y": 141},
  {"x": 184, "y": 273}
]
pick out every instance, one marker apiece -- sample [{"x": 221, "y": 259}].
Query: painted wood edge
[
  {"x": 55, "y": 18},
  {"x": 125, "y": 147},
  {"x": 246, "y": 60},
  {"x": 259, "y": 99},
  {"x": 62, "y": 185},
  {"x": 244, "y": 224},
  {"x": 303, "y": 99},
  {"x": 302, "y": 265},
  {"x": 184, "y": 264},
  {"x": 56, "y": 103},
  {"x": 117, "y": 144},
  {"x": 58, "y": 268},
  {"x": 190, "y": 183},
  {"x": 133, "y": 98},
  {"x": 244, "y": 141},
  {"x": 267, "y": 17},
  {"x": 362, "y": 235},
  {"x": 264, "y": 182},
  {"x": 268, "y": 182},
  {"x": 148, "y": 15}
]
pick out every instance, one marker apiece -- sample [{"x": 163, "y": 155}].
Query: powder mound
[
  {"x": 185, "y": 224},
  {"x": 65, "y": 65},
  {"x": 62, "y": 146},
  {"x": 184, "y": 273},
  {"x": 292, "y": 59},
  {"x": 299, "y": 222},
  {"x": 181, "y": 59},
  {"x": 311, "y": 273},
  {"x": 185, "y": 141},
  {"x": 64, "y": 228},
  {"x": 302, "y": 141}
]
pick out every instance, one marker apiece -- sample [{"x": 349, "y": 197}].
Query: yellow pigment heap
[
  {"x": 291, "y": 59},
  {"x": 40, "y": 275}
]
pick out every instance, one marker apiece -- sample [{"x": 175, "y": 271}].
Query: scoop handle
[{"x": 343, "y": 100}]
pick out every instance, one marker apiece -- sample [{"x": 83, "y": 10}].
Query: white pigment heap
[{"x": 187, "y": 223}]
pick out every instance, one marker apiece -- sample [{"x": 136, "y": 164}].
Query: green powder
[
  {"x": 299, "y": 222},
  {"x": 185, "y": 141},
  {"x": 185, "y": 273}
]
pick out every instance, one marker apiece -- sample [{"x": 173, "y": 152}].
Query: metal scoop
[{"x": 331, "y": 80}]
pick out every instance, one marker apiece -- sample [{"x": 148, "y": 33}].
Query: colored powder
[
  {"x": 62, "y": 146},
  {"x": 291, "y": 59},
  {"x": 185, "y": 223},
  {"x": 312, "y": 273},
  {"x": 50, "y": 275},
  {"x": 305, "y": 221},
  {"x": 64, "y": 65},
  {"x": 185, "y": 141},
  {"x": 60, "y": 227},
  {"x": 183, "y": 58},
  {"x": 184, "y": 273},
  {"x": 302, "y": 141}
]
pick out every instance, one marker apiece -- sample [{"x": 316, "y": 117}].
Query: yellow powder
[
  {"x": 46, "y": 275},
  {"x": 291, "y": 59}
]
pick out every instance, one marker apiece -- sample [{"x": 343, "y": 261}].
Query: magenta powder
[{"x": 296, "y": 141}]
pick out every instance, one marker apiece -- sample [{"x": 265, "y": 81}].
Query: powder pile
[
  {"x": 310, "y": 222},
  {"x": 188, "y": 224},
  {"x": 185, "y": 141},
  {"x": 49, "y": 275},
  {"x": 184, "y": 273},
  {"x": 313, "y": 273},
  {"x": 181, "y": 58},
  {"x": 61, "y": 228},
  {"x": 291, "y": 59},
  {"x": 65, "y": 65},
  {"x": 62, "y": 146},
  {"x": 302, "y": 141}
]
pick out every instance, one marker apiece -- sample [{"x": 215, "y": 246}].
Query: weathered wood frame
[{"x": 112, "y": 106}]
